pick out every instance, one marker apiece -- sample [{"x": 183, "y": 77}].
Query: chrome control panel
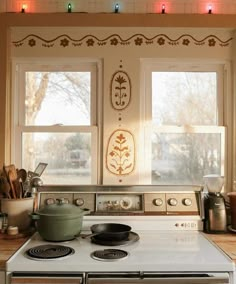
[
  {"x": 171, "y": 202},
  {"x": 181, "y": 202},
  {"x": 126, "y": 203},
  {"x": 119, "y": 202}
]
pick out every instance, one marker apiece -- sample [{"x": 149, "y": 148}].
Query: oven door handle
[
  {"x": 155, "y": 278},
  {"x": 45, "y": 278}
]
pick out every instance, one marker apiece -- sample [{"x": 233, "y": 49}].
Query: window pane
[
  {"x": 57, "y": 98},
  {"x": 184, "y": 158},
  {"x": 180, "y": 98},
  {"x": 68, "y": 156}
]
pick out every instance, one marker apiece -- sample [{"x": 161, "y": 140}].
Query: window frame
[
  {"x": 22, "y": 65},
  {"x": 224, "y": 97}
]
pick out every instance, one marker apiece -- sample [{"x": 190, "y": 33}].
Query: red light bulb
[
  {"x": 163, "y": 9},
  {"x": 209, "y": 9},
  {"x": 24, "y": 7}
]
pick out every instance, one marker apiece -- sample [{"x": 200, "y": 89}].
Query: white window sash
[
  {"x": 22, "y": 65},
  {"x": 222, "y": 68},
  {"x": 62, "y": 129},
  {"x": 149, "y": 129},
  {"x": 161, "y": 65}
]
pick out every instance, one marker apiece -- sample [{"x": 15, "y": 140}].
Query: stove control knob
[
  {"x": 62, "y": 200},
  {"x": 157, "y": 201},
  {"x": 79, "y": 201},
  {"x": 126, "y": 203},
  {"x": 172, "y": 202},
  {"x": 49, "y": 201},
  {"x": 109, "y": 204},
  {"x": 187, "y": 201}
]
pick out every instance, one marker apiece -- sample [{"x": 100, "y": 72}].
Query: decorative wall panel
[
  {"x": 120, "y": 154},
  {"x": 120, "y": 90}
]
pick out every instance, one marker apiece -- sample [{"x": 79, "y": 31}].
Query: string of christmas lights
[{"x": 117, "y": 8}]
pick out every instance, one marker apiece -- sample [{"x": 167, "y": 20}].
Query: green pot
[{"x": 59, "y": 221}]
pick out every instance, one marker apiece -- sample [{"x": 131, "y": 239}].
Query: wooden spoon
[
  {"x": 22, "y": 177},
  {"x": 22, "y": 174},
  {"x": 5, "y": 187},
  {"x": 12, "y": 177},
  {"x": 18, "y": 188}
]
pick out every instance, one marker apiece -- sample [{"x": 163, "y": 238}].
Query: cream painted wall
[
  {"x": 198, "y": 28},
  {"x": 121, "y": 49}
]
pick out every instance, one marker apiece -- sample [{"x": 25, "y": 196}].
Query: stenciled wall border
[{"x": 114, "y": 40}]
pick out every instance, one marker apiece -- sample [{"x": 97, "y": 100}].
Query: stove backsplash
[{"x": 127, "y": 200}]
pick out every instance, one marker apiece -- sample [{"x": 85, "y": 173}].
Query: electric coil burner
[
  {"x": 49, "y": 252},
  {"x": 109, "y": 254}
]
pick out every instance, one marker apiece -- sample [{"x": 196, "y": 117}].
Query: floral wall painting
[
  {"x": 120, "y": 154},
  {"x": 116, "y": 40},
  {"x": 120, "y": 90}
]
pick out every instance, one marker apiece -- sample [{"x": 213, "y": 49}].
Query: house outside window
[
  {"x": 183, "y": 121},
  {"x": 56, "y": 120}
]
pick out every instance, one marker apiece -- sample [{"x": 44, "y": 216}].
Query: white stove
[{"x": 171, "y": 247}]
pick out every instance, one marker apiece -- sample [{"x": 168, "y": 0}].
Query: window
[
  {"x": 183, "y": 115},
  {"x": 55, "y": 119}
]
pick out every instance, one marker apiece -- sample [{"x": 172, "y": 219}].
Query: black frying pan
[{"x": 110, "y": 231}]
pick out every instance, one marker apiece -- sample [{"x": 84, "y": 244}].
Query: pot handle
[{"x": 35, "y": 216}]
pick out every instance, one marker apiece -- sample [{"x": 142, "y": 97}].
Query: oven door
[{"x": 155, "y": 278}]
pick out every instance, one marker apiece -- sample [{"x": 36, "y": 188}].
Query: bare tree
[{"x": 69, "y": 88}]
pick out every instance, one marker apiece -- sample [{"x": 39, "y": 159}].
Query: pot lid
[{"x": 60, "y": 208}]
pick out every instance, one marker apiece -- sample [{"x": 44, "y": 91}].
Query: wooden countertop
[
  {"x": 226, "y": 242},
  {"x": 8, "y": 246}
]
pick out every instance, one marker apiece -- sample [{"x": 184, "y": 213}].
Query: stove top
[{"x": 162, "y": 251}]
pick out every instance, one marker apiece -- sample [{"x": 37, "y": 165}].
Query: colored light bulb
[
  {"x": 69, "y": 8},
  {"x": 209, "y": 9},
  {"x": 117, "y": 7},
  {"x": 23, "y": 9},
  {"x": 163, "y": 9}
]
